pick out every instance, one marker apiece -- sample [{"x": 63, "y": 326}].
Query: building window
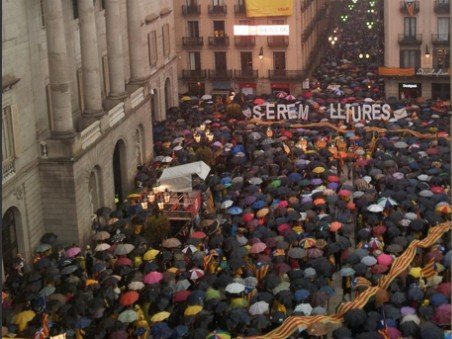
[
  {"x": 166, "y": 40},
  {"x": 409, "y": 59},
  {"x": 193, "y": 29},
  {"x": 194, "y": 60},
  {"x": 410, "y": 27},
  {"x": 10, "y": 248},
  {"x": 441, "y": 58},
  {"x": 443, "y": 28},
  {"x": 81, "y": 103},
  {"x": 220, "y": 60},
  {"x": 217, "y": 2},
  {"x": 75, "y": 9},
  {"x": 218, "y": 29},
  {"x": 7, "y": 134},
  {"x": 152, "y": 48},
  {"x": 246, "y": 61},
  {"x": 43, "y": 18},
  {"x": 138, "y": 146},
  {"x": 279, "y": 61}
]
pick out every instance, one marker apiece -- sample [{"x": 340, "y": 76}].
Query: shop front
[
  {"x": 221, "y": 88},
  {"x": 441, "y": 91},
  {"x": 196, "y": 88},
  {"x": 410, "y": 90},
  {"x": 247, "y": 88}
]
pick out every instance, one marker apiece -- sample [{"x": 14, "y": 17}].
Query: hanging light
[
  {"x": 427, "y": 52},
  {"x": 261, "y": 53}
]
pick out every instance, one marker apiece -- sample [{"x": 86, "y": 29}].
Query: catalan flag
[
  {"x": 261, "y": 271},
  {"x": 428, "y": 270}
]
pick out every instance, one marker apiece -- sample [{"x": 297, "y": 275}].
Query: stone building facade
[
  {"x": 82, "y": 83},
  {"x": 213, "y": 60}
]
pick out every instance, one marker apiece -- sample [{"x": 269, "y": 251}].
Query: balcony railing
[
  {"x": 246, "y": 73},
  {"x": 278, "y": 41},
  {"x": 244, "y": 41},
  {"x": 189, "y": 74},
  {"x": 191, "y": 42},
  {"x": 8, "y": 169},
  {"x": 217, "y": 9},
  {"x": 409, "y": 7},
  {"x": 441, "y": 39},
  {"x": 218, "y": 41},
  {"x": 239, "y": 9},
  {"x": 410, "y": 39},
  {"x": 220, "y": 74},
  {"x": 442, "y": 7},
  {"x": 285, "y": 74},
  {"x": 191, "y": 10}
]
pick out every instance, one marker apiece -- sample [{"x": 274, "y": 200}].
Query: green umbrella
[
  {"x": 212, "y": 294},
  {"x": 275, "y": 183},
  {"x": 128, "y": 316},
  {"x": 42, "y": 248},
  {"x": 47, "y": 290}
]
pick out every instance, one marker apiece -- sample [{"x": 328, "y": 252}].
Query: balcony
[
  {"x": 441, "y": 39},
  {"x": 442, "y": 7},
  {"x": 191, "y": 10},
  {"x": 217, "y": 10},
  {"x": 218, "y": 41},
  {"x": 278, "y": 41},
  {"x": 192, "y": 42},
  {"x": 220, "y": 74},
  {"x": 405, "y": 7},
  {"x": 239, "y": 9},
  {"x": 244, "y": 41},
  {"x": 279, "y": 74},
  {"x": 246, "y": 74},
  {"x": 8, "y": 169},
  {"x": 410, "y": 39},
  {"x": 193, "y": 74}
]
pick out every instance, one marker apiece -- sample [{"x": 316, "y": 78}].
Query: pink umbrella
[
  {"x": 442, "y": 315},
  {"x": 394, "y": 333},
  {"x": 384, "y": 259},
  {"x": 444, "y": 288},
  {"x": 344, "y": 193},
  {"x": 153, "y": 278},
  {"x": 290, "y": 97},
  {"x": 283, "y": 228},
  {"x": 259, "y": 101},
  {"x": 198, "y": 235},
  {"x": 73, "y": 251},
  {"x": 196, "y": 274},
  {"x": 281, "y": 95},
  {"x": 283, "y": 203},
  {"x": 258, "y": 247}
]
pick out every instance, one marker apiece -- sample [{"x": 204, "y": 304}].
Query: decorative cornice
[{"x": 8, "y": 81}]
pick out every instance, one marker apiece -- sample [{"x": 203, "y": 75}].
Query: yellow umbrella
[
  {"x": 262, "y": 212},
  {"x": 185, "y": 98},
  {"x": 160, "y": 316},
  {"x": 239, "y": 302},
  {"x": 23, "y": 318},
  {"x": 192, "y": 310},
  {"x": 318, "y": 170},
  {"x": 415, "y": 272},
  {"x": 151, "y": 254},
  {"x": 134, "y": 196}
]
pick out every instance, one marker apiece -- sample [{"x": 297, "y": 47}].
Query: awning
[
  {"x": 179, "y": 178},
  {"x": 221, "y": 85},
  {"x": 393, "y": 71}
]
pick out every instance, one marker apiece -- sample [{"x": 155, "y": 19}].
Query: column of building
[
  {"x": 60, "y": 94},
  {"x": 139, "y": 67},
  {"x": 92, "y": 94}
]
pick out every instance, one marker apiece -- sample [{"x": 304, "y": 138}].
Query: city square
[{"x": 226, "y": 169}]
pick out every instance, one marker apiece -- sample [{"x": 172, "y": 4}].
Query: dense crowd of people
[{"x": 288, "y": 211}]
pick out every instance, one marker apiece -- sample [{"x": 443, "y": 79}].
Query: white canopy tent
[{"x": 179, "y": 178}]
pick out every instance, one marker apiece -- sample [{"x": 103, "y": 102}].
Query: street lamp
[
  {"x": 367, "y": 55},
  {"x": 261, "y": 53},
  {"x": 427, "y": 52},
  {"x": 361, "y": 55}
]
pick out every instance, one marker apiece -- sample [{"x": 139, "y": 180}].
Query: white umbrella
[
  {"x": 167, "y": 159},
  {"x": 375, "y": 208},
  {"x": 191, "y": 248},
  {"x": 284, "y": 286},
  {"x": 369, "y": 260},
  {"x": 226, "y": 204},
  {"x": 123, "y": 249},
  {"x": 306, "y": 309},
  {"x": 135, "y": 286},
  {"x": 387, "y": 202},
  {"x": 102, "y": 247},
  {"x": 255, "y": 181},
  {"x": 206, "y": 97},
  {"x": 426, "y": 193},
  {"x": 258, "y": 308},
  {"x": 410, "y": 215},
  {"x": 235, "y": 288}
]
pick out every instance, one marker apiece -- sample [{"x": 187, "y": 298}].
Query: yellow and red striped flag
[
  {"x": 428, "y": 270},
  {"x": 261, "y": 271}
]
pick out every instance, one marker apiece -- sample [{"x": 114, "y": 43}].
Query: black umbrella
[
  {"x": 49, "y": 238},
  {"x": 355, "y": 318},
  {"x": 260, "y": 322},
  {"x": 428, "y": 330},
  {"x": 391, "y": 312},
  {"x": 398, "y": 298},
  {"x": 409, "y": 328},
  {"x": 369, "y": 335},
  {"x": 342, "y": 332}
]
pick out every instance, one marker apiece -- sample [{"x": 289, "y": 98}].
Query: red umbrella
[
  {"x": 129, "y": 298},
  {"x": 437, "y": 189},
  {"x": 198, "y": 235},
  {"x": 123, "y": 261},
  {"x": 181, "y": 296},
  {"x": 196, "y": 273},
  {"x": 153, "y": 278},
  {"x": 335, "y": 226},
  {"x": 333, "y": 178},
  {"x": 444, "y": 288},
  {"x": 248, "y": 217},
  {"x": 283, "y": 228},
  {"x": 379, "y": 230},
  {"x": 344, "y": 193},
  {"x": 258, "y": 247},
  {"x": 259, "y": 101},
  {"x": 432, "y": 151},
  {"x": 378, "y": 269}
]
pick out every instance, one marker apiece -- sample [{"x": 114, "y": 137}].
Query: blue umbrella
[
  {"x": 295, "y": 177},
  {"x": 226, "y": 180},
  {"x": 161, "y": 331},
  {"x": 257, "y": 205},
  {"x": 328, "y": 290},
  {"x": 235, "y": 210},
  {"x": 237, "y": 149},
  {"x": 82, "y": 322},
  {"x": 301, "y": 294},
  {"x": 316, "y": 181},
  {"x": 438, "y": 299}
]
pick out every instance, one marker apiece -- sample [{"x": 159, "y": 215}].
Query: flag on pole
[{"x": 428, "y": 270}]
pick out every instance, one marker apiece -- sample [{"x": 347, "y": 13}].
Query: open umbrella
[
  {"x": 235, "y": 288},
  {"x": 128, "y": 316},
  {"x": 171, "y": 243},
  {"x": 260, "y": 307},
  {"x": 160, "y": 316},
  {"x": 123, "y": 249},
  {"x": 153, "y": 277},
  {"x": 129, "y": 298}
]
